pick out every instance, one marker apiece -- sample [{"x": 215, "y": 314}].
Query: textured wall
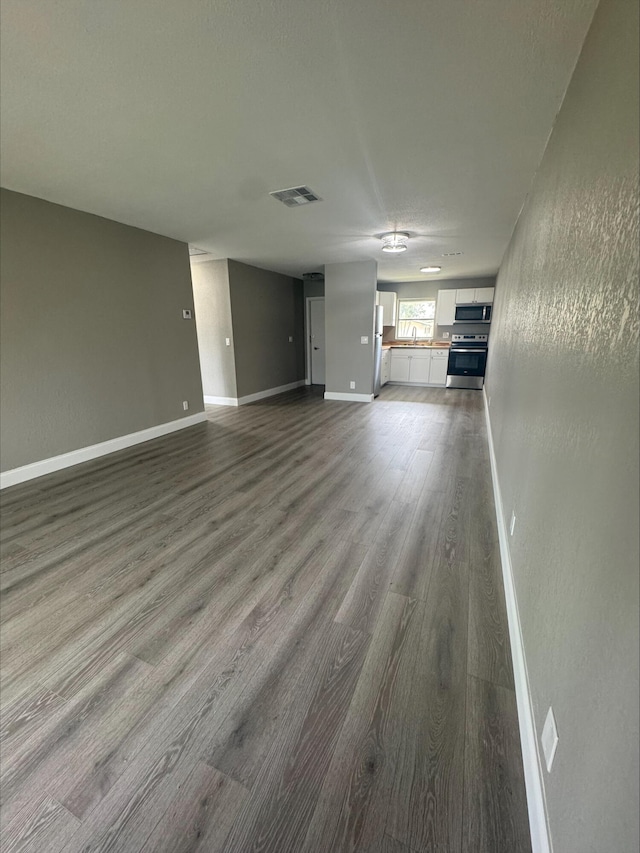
[
  {"x": 213, "y": 319},
  {"x": 563, "y": 383},
  {"x": 349, "y": 305},
  {"x": 93, "y": 341},
  {"x": 266, "y": 308}
]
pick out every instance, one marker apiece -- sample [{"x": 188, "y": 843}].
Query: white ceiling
[{"x": 429, "y": 116}]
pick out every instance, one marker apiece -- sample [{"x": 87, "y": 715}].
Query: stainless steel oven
[{"x": 467, "y": 361}]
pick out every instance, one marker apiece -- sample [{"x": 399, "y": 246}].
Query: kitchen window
[{"x": 415, "y": 319}]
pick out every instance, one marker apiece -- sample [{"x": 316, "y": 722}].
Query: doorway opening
[{"x": 315, "y": 340}]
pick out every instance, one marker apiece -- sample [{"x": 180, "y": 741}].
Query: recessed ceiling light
[
  {"x": 395, "y": 241},
  {"x": 430, "y": 269}
]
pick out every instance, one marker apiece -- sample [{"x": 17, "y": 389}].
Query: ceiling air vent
[
  {"x": 194, "y": 250},
  {"x": 295, "y": 196},
  {"x": 451, "y": 254}
]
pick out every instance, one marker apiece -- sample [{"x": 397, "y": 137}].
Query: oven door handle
[{"x": 466, "y": 350}]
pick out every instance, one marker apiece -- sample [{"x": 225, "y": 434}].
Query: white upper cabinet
[
  {"x": 388, "y": 300},
  {"x": 472, "y": 295},
  {"x": 446, "y": 307},
  {"x": 484, "y": 295}
]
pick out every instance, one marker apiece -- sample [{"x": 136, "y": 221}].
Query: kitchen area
[{"x": 433, "y": 333}]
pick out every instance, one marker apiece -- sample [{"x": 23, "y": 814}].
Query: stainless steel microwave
[{"x": 473, "y": 314}]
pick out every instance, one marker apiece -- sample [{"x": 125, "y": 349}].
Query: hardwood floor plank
[
  {"x": 415, "y": 477},
  {"x": 121, "y": 819},
  {"x": 44, "y": 826},
  {"x": 242, "y": 741},
  {"x": 19, "y": 720},
  {"x": 495, "y": 813},
  {"x": 384, "y": 844},
  {"x": 74, "y": 740},
  {"x": 200, "y": 816},
  {"x": 489, "y": 645},
  {"x": 415, "y": 560},
  {"x": 343, "y": 812},
  {"x": 425, "y": 803},
  {"x": 365, "y": 598},
  {"x": 276, "y": 816}
]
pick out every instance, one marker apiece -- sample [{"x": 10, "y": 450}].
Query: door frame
[{"x": 307, "y": 335}]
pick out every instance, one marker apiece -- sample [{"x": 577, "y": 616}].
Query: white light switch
[
  {"x": 364, "y": 339},
  {"x": 549, "y": 739},
  {"x": 186, "y": 313},
  {"x": 185, "y": 405},
  {"x": 227, "y": 342},
  {"x": 290, "y": 339}
]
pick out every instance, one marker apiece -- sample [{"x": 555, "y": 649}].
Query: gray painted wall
[
  {"x": 266, "y": 308},
  {"x": 350, "y": 299},
  {"x": 429, "y": 290},
  {"x": 93, "y": 341},
  {"x": 213, "y": 318},
  {"x": 563, "y": 382}
]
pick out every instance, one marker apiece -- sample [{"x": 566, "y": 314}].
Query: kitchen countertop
[{"x": 427, "y": 345}]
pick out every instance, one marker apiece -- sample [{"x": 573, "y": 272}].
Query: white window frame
[{"x": 426, "y": 319}]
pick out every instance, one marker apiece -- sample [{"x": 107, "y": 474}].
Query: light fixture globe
[{"x": 395, "y": 242}]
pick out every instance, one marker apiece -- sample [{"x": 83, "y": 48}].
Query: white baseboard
[
  {"x": 221, "y": 401},
  {"x": 251, "y": 398},
  {"x": 351, "y": 398},
  {"x": 416, "y": 384},
  {"x": 538, "y": 822},
  {"x": 270, "y": 392},
  {"x": 84, "y": 454}
]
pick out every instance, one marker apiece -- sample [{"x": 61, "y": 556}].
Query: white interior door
[{"x": 316, "y": 341}]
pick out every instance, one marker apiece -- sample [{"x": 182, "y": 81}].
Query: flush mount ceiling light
[
  {"x": 395, "y": 241},
  {"x": 430, "y": 269}
]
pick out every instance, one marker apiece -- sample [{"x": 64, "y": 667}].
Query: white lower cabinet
[
  {"x": 439, "y": 362},
  {"x": 422, "y": 367},
  {"x": 419, "y": 366},
  {"x": 399, "y": 367},
  {"x": 385, "y": 367}
]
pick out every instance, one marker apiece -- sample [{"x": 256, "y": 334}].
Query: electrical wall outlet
[
  {"x": 549, "y": 739},
  {"x": 512, "y": 525},
  {"x": 186, "y": 313},
  {"x": 364, "y": 339},
  {"x": 185, "y": 405},
  {"x": 227, "y": 342},
  {"x": 352, "y": 385},
  {"x": 445, "y": 335}
]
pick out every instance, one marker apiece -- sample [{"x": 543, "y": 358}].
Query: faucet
[{"x": 414, "y": 332}]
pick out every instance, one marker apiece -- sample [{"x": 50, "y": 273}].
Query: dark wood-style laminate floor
[{"x": 280, "y": 630}]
